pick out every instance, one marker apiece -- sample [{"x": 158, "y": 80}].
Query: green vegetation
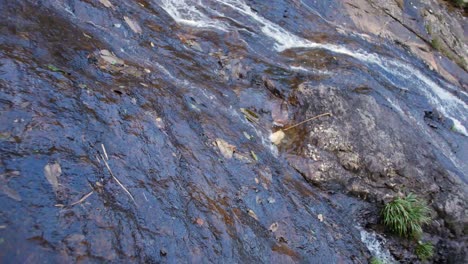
[
  {"x": 429, "y": 29},
  {"x": 459, "y": 3},
  {"x": 436, "y": 44},
  {"x": 424, "y": 251},
  {"x": 405, "y": 216},
  {"x": 375, "y": 260}
]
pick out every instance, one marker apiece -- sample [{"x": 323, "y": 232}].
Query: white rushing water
[
  {"x": 191, "y": 13},
  {"x": 205, "y": 14},
  {"x": 375, "y": 244}
]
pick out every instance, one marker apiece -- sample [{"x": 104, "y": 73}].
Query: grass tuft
[
  {"x": 424, "y": 251},
  {"x": 406, "y": 215},
  {"x": 459, "y": 3}
]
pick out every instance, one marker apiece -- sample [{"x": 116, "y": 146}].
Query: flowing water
[
  {"x": 161, "y": 110},
  {"x": 396, "y": 72}
]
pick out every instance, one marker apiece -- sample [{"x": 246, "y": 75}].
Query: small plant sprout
[{"x": 424, "y": 251}]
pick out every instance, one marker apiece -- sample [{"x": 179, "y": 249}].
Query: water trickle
[
  {"x": 376, "y": 245},
  {"x": 395, "y": 71}
]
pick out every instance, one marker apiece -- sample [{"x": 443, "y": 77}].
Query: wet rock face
[
  {"x": 138, "y": 131},
  {"x": 373, "y": 153},
  {"x": 126, "y": 143}
]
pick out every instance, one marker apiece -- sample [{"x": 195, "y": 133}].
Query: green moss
[
  {"x": 405, "y": 216},
  {"x": 436, "y": 44},
  {"x": 375, "y": 260},
  {"x": 429, "y": 29}
]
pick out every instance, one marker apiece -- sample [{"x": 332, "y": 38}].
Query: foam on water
[
  {"x": 375, "y": 246},
  {"x": 299, "y": 69},
  {"x": 395, "y": 106},
  {"x": 189, "y": 13},
  {"x": 458, "y": 127}
]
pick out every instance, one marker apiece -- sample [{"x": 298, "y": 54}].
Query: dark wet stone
[{"x": 132, "y": 117}]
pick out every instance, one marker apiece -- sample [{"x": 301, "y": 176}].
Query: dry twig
[
  {"x": 82, "y": 198},
  {"x": 279, "y": 135},
  {"x": 307, "y": 120},
  {"x": 105, "y": 152},
  {"x": 117, "y": 180}
]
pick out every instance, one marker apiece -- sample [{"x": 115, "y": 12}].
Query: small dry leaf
[
  {"x": 252, "y": 214},
  {"x": 257, "y": 181},
  {"x": 199, "y": 221},
  {"x": 271, "y": 200},
  {"x": 52, "y": 173},
  {"x": 250, "y": 115},
  {"x": 254, "y": 155},
  {"x": 277, "y": 137},
  {"x": 320, "y": 217},
  {"x": 110, "y": 57},
  {"x": 194, "y": 45},
  {"x": 10, "y": 192},
  {"x": 5, "y": 135},
  {"x": 226, "y": 149},
  {"x": 273, "y": 227},
  {"x": 106, "y": 3},
  {"x": 4, "y": 188},
  {"x": 242, "y": 157},
  {"x": 75, "y": 238},
  {"x": 133, "y": 25}
]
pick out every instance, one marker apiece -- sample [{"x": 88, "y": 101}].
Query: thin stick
[
  {"x": 117, "y": 180},
  {"x": 105, "y": 152},
  {"x": 307, "y": 120},
  {"x": 82, "y": 199}
]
